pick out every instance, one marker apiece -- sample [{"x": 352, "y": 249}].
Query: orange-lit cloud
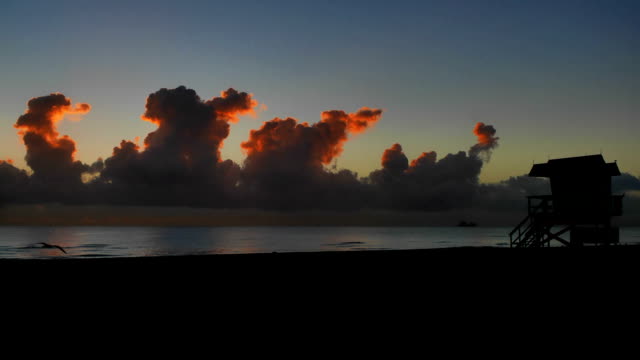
[
  {"x": 43, "y": 112},
  {"x": 50, "y": 156},
  {"x": 355, "y": 122},
  {"x": 363, "y": 119},
  {"x": 179, "y": 162},
  {"x": 425, "y": 159},
  {"x": 487, "y": 141},
  {"x": 232, "y": 104},
  {"x": 313, "y": 144},
  {"x": 284, "y": 167}
]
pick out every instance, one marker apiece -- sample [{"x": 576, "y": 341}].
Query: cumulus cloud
[
  {"x": 286, "y": 164},
  {"x": 487, "y": 141},
  {"x": 231, "y": 104},
  {"x": 431, "y": 184},
  {"x": 284, "y": 167},
  {"x": 13, "y": 182},
  {"x": 49, "y": 155},
  {"x": 180, "y": 162},
  {"x": 394, "y": 160}
]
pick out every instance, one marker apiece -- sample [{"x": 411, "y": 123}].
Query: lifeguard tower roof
[{"x": 591, "y": 164}]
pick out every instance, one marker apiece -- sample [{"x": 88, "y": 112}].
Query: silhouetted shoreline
[
  {"x": 584, "y": 258},
  {"x": 70, "y": 215}
]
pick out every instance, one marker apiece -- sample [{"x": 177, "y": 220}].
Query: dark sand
[
  {"x": 455, "y": 288},
  {"x": 483, "y": 263}
]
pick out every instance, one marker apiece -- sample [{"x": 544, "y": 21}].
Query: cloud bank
[{"x": 288, "y": 162}]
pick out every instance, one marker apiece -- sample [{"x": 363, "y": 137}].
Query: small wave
[
  {"x": 349, "y": 243},
  {"x": 93, "y": 255},
  {"x": 90, "y": 246},
  {"x": 29, "y": 247}
]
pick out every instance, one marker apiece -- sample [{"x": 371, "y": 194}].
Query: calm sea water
[{"x": 92, "y": 241}]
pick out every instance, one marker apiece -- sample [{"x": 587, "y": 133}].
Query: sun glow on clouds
[
  {"x": 286, "y": 163},
  {"x": 50, "y": 156}
]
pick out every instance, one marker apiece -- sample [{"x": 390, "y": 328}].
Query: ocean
[{"x": 113, "y": 241}]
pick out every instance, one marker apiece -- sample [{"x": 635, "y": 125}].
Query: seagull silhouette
[{"x": 49, "y": 246}]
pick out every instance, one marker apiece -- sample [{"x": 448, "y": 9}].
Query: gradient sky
[{"x": 556, "y": 78}]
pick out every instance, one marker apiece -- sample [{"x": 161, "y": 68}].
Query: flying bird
[{"x": 49, "y": 246}]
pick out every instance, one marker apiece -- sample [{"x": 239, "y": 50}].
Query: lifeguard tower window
[{"x": 580, "y": 202}]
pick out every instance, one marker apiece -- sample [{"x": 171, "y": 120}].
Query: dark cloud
[
  {"x": 427, "y": 184},
  {"x": 284, "y": 167},
  {"x": 394, "y": 160},
  {"x": 431, "y": 184},
  {"x": 180, "y": 162},
  {"x": 189, "y": 132},
  {"x": 630, "y": 186},
  {"x": 510, "y": 194},
  {"x": 625, "y": 183},
  {"x": 13, "y": 182}
]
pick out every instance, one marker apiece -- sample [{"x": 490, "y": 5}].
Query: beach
[
  {"x": 485, "y": 263},
  {"x": 452, "y": 286}
]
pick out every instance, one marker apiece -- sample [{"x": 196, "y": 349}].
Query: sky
[{"x": 555, "y": 78}]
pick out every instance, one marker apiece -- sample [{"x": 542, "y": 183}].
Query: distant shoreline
[
  {"x": 93, "y": 215},
  {"x": 99, "y": 215}
]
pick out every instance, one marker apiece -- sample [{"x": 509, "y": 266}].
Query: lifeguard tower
[{"x": 581, "y": 204}]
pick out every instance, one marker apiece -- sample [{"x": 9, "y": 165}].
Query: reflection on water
[{"x": 18, "y": 242}]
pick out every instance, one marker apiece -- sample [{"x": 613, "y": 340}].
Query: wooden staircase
[{"x": 535, "y": 229}]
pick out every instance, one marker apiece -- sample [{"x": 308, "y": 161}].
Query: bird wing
[{"x": 61, "y": 249}]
